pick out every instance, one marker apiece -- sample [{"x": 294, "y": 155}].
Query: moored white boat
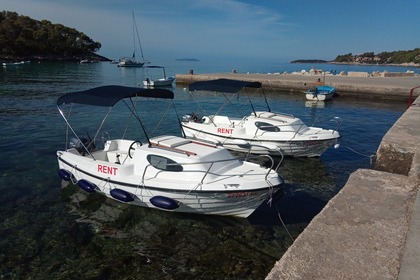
[
  {"x": 164, "y": 172},
  {"x": 320, "y": 93},
  {"x": 160, "y": 82},
  {"x": 261, "y": 132}
]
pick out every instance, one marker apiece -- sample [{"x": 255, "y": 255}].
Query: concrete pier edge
[
  {"x": 371, "y": 228},
  {"x": 397, "y": 88}
]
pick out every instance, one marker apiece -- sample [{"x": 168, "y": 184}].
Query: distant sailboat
[{"x": 131, "y": 61}]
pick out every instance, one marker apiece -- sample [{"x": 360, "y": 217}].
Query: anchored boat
[
  {"x": 165, "y": 172},
  {"x": 261, "y": 132},
  {"x": 165, "y": 81},
  {"x": 131, "y": 61}
]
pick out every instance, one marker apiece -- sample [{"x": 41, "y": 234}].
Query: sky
[{"x": 280, "y": 30}]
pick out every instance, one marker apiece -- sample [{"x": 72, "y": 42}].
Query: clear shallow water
[{"x": 51, "y": 231}]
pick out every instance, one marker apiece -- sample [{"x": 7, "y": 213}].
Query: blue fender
[
  {"x": 164, "y": 202},
  {"x": 65, "y": 174},
  {"x": 87, "y": 186},
  {"x": 122, "y": 195}
]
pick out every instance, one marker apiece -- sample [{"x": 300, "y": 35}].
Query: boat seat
[
  {"x": 171, "y": 141},
  {"x": 265, "y": 114},
  {"x": 218, "y": 120},
  {"x": 99, "y": 155},
  {"x": 117, "y": 157}
]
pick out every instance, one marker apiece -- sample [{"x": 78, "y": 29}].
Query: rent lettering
[
  {"x": 225, "y": 130},
  {"x": 107, "y": 169}
]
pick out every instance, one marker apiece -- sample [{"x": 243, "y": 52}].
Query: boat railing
[
  {"x": 297, "y": 131},
  {"x": 211, "y": 164},
  {"x": 276, "y": 114},
  {"x": 337, "y": 120}
]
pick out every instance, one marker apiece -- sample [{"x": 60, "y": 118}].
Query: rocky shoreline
[
  {"x": 54, "y": 58},
  {"x": 410, "y": 64}
]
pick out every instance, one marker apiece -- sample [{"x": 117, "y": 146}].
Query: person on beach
[{"x": 319, "y": 83}]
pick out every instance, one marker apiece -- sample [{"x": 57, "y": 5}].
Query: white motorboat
[
  {"x": 320, "y": 93},
  {"x": 161, "y": 82},
  {"x": 261, "y": 132},
  {"x": 164, "y": 172}
]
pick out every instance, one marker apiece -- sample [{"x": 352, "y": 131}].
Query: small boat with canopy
[
  {"x": 261, "y": 132},
  {"x": 320, "y": 93},
  {"x": 165, "y": 81}
]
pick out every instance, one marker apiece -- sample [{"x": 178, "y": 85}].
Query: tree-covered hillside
[
  {"x": 22, "y": 36},
  {"x": 396, "y": 57}
]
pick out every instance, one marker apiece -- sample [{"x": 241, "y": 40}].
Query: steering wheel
[{"x": 132, "y": 147}]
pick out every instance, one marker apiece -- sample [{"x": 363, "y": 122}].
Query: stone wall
[{"x": 369, "y": 230}]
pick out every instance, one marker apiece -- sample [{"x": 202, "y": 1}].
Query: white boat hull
[
  {"x": 319, "y": 97},
  {"x": 130, "y": 64},
  {"x": 320, "y": 93},
  {"x": 291, "y": 138},
  {"x": 159, "y": 82},
  {"x": 231, "y": 187}
]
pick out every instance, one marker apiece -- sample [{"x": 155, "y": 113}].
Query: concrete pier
[
  {"x": 371, "y": 228},
  {"x": 365, "y": 87}
]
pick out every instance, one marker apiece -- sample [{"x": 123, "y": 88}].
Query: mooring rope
[
  {"x": 371, "y": 157},
  {"x": 284, "y": 225}
]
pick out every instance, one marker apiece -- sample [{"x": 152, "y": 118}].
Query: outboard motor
[
  {"x": 193, "y": 117},
  {"x": 186, "y": 118},
  {"x": 77, "y": 144}
]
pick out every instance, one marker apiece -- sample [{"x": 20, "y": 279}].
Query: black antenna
[
  {"x": 252, "y": 106},
  {"x": 138, "y": 118},
  {"x": 265, "y": 99},
  {"x": 179, "y": 121}
]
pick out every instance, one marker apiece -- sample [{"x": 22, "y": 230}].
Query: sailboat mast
[
  {"x": 138, "y": 37},
  {"x": 134, "y": 38}
]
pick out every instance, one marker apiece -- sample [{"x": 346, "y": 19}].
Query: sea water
[{"x": 52, "y": 230}]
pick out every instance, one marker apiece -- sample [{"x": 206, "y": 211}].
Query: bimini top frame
[
  {"x": 108, "y": 96},
  {"x": 228, "y": 86}
]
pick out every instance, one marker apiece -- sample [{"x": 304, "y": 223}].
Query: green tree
[
  {"x": 21, "y": 35},
  {"x": 344, "y": 58}
]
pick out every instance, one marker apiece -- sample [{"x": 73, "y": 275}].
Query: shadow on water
[{"x": 142, "y": 243}]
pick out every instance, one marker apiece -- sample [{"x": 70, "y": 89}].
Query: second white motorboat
[{"x": 261, "y": 132}]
